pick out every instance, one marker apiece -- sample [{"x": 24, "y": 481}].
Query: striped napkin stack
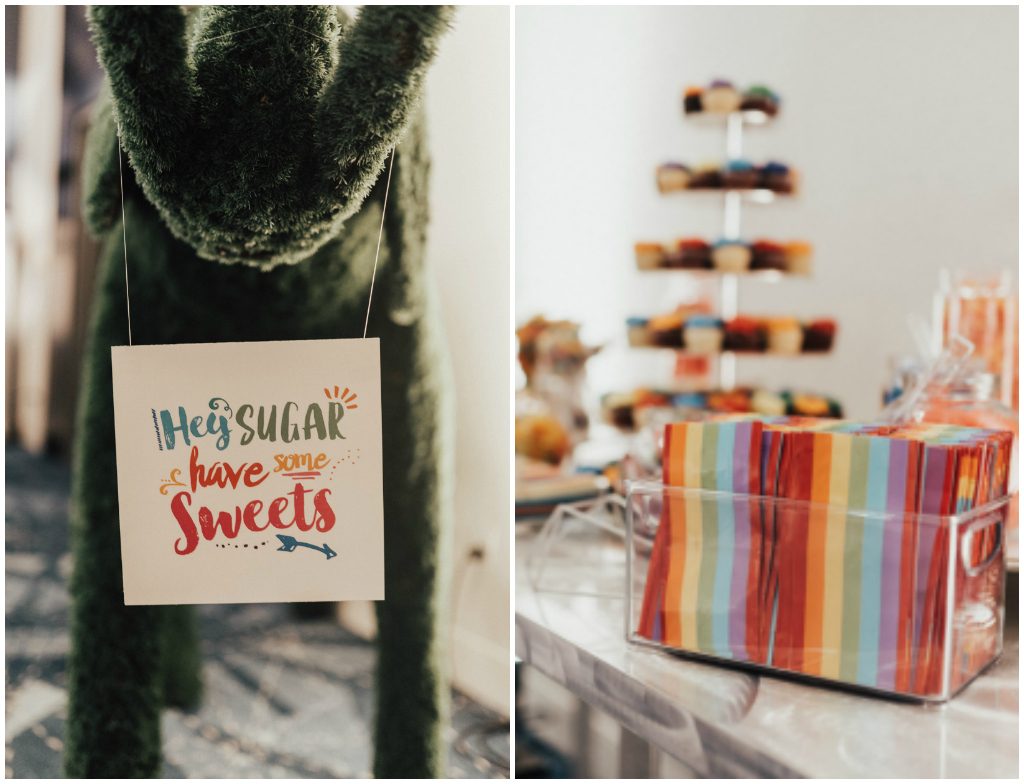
[{"x": 822, "y": 552}]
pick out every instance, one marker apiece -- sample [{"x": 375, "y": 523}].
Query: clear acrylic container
[{"x": 896, "y": 603}]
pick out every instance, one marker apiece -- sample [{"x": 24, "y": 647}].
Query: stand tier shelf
[
  {"x": 763, "y": 275},
  {"x": 735, "y": 353}
]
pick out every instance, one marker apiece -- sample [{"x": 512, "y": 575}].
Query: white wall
[
  {"x": 903, "y": 122},
  {"x": 468, "y": 252}
]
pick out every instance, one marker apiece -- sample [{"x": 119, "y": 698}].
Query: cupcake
[
  {"x": 798, "y": 258},
  {"x": 666, "y": 330},
  {"x": 759, "y": 98},
  {"x": 785, "y": 336},
  {"x": 703, "y": 335},
  {"x": 618, "y": 409},
  {"x": 739, "y": 174},
  {"x": 810, "y": 405},
  {"x": 707, "y": 175},
  {"x": 819, "y": 335},
  {"x": 776, "y": 177},
  {"x": 768, "y": 255},
  {"x": 685, "y": 403},
  {"x": 673, "y": 177},
  {"x": 692, "y": 100},
  {"x": 671, "y": 259},
  {"x": 721, "y": 97},
  {"x": 745, "y": 334},
  {"x": 768, "y": 403},
  {"x": 734, "y": 401},
  {"x": 649, "y": 255},
  {"x": 652, "y": 398},
  {"x": 637, "y": 332},
  {"x": 693, "y": 254},
  {"x": 731, "y": 256}
]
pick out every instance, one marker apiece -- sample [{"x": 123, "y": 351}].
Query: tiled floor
[{"x": 289, "y": 698}]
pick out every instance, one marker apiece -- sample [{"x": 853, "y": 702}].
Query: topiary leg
[
  {"x": 114, "y": 670},
  {"x": 182, "y": 659},
  {"x": 412, "y": 690},
  {"x": 412, "y": 694}
]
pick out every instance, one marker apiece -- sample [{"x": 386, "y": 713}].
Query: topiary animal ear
[
  {"x": 101, "y": 183},
  {"x": 375, "y": 90},
  {"x": 142, "y": 50}
]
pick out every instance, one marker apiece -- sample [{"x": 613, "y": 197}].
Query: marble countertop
[{"x": 725, "y": 722}]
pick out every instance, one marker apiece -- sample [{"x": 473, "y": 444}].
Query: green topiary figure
[{"x": 257, "y": 137}]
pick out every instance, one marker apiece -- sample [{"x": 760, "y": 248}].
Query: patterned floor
[{"x": 289, "y": 699}]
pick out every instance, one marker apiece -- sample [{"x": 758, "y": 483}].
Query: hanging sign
[{"x": 250, "y": 472}]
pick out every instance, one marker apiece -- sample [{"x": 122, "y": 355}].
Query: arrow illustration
[{"x": 289, "y": 543}]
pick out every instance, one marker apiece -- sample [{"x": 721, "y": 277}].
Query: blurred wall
[
  {"x": 468, "y": 250},
  {"x": 49, "y": 265},
  {"x": 902, "y": 121}
]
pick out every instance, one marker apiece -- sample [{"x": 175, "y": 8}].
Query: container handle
[{"x": 966, "y": 544}]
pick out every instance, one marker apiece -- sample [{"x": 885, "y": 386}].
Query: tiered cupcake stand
[{"x": 733, "y": 199}]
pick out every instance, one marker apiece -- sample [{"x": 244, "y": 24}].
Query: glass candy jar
[{"x": 968, "y": 400}]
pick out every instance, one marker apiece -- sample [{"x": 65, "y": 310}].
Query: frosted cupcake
[
  {"x": 768, "y": 255},
  {"x": 673, "y": 177},
  {"x": 666, "y": 330},
  {"x": 760, "y": 99},
  {"x": 721, "y": 97},
  {"x": 732, "y": 401},
  {"x": 768, "y": 403},
  {"x": 649, "y": 255},
  {"x": 703, "y": 335},
  {"x": 707, "y": 175},
  {"x": 637, "y": 332},
  {"x": 739, "y": 174},
  {"x": 693, "y": 253},
  {"x": 693, "y": 100},
  {"x": 785, "y": 336},
  {"x": 745, "y": 334},
  {"x": 731, "y": 256},
  {"x": 811, "y": 405},
  {"x": 685, "y": 404},
  {"x": 819, "y": 335},
  {"x": 777, "y": 177},
  {"x": 798, "y": 258},
  {"x": 617, "y": 408}
]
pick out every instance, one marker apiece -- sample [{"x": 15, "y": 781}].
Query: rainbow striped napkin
[{"x": 822, "y": 552}]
